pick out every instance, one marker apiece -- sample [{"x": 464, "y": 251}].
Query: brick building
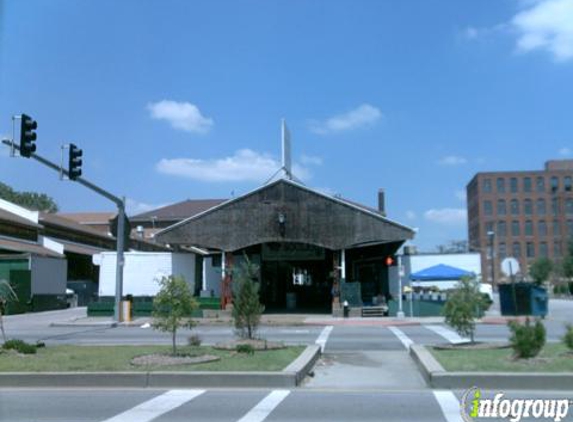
[{"x": 524, "y": 214}]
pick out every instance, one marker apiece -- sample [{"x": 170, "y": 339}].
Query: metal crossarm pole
[{"x": 120, "y": 203}]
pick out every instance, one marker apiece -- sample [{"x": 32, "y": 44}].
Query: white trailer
[{"x": 143, "y": 270}]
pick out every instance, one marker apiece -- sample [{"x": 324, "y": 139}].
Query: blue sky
[{"x": 183, "y": 99}]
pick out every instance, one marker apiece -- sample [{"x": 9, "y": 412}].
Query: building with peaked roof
[
  {"x": 99, "y": 221},
  {"x": 148, "y": 223},
  {"x": 303, "y": 241}
]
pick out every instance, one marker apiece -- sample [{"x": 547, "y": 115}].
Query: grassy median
[
  {"x": 118, "y": 358},
  {"x": 554, "y": 357}
]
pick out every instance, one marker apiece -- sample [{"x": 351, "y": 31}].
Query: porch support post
[
  {"x": 343, "y": 264},
  {"x": 204, "y": 274}
]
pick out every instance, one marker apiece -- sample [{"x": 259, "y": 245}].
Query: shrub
[
  {"x": 247, "y": 308},
  {"x": 464, "y": 304},
  {"x": 245, "y": 348},
  {"x": 526, "y": 339},
  {"x": 194, "y": 340},
  {"x": 568, "y": 337},
  {"x": 20, "y": 346},
  {"x": 173, "y": 306}
]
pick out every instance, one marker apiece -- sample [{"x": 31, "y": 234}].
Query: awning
[
  {"x": 440, "y": 272},
  {"x": 14, "y": 245}
]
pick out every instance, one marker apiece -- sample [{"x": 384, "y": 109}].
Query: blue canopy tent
[{"x": 441, "y": 272}]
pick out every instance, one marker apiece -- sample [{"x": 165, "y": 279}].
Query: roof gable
[{"x": 310, "y": 217}]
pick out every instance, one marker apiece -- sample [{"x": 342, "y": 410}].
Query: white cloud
[
  {"x": 311, "y": 160},
  {"x": 411, "y": 215},
  {"x": 447, "y": 216},
  {"x": 244, "y": 165},
  {"x": 363, "y": 116},
  {"x": 134, "y": 207},
  {"x": 181, "y": 115},
  {"x": 461, "y": 195},
  {"x": 565, "y": 152},
  {"x": 471, "y": 32},
  {"x": 452, "y": 160},
  {"x": 546, "y": 25}
]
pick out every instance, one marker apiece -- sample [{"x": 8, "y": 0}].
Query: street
[{"x": 365, "y": 374}]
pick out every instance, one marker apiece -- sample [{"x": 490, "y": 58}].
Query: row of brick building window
[
  {"x": 527, "y": 184},
  {"x": 501, "y": 228},
  {"x": 529, "y": 251},
  {"x": 540, "y": 207}
]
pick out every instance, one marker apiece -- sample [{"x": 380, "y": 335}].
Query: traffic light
[
  {"x": 390, "y": 261},
  {"x": 27, "y": 136},
  {"x": 75, "y": 162}
]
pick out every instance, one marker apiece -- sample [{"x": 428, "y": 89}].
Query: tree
[
  {"x": 464, "y": 304},
  {"x": 173, "y": 306},
  {"x": 7, "y": 294},
  {"x": 540, "y": 270},
  {"x": 31, "y": 200},
  {"x": 567, "y": 264},
  {"x": 247, "y": 308}
]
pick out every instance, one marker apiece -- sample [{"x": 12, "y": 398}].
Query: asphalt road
[
  {"x": 240, "y": 405},
  {"x": 365, "y": 374}
]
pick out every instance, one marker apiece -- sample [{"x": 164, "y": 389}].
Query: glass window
[
  {"x": 540, "y": 184},
  {"x": 554, "y": 184},
  {"x": 557, "y": 249},
  {"x": 513, "y": 185},
  {"x": 500, "y": 184},
  {"x": 569, "y": 206},
  {"x": 488, "y": 227},
  {"x": 487, "y": 208},
  {"x": 530, "y": 250},
  {"x": 542, "y": 228},
  {"x": 527, "y": 207},
  {"x": 514, "y": 205},
  {"x": 487, "y": 185},
  {"x": 515, "y": 228},
  {"x": 569, "y": 227},
  {"x": 555, "y": 206},
  {"x": 502, "y": 251},
  {"x": 516, "y": 250},
  {"x": 528, "y": 228},
  {"x": 501, "y": 229},
  {"x": 543, "y": 252},
  {"x": 556, "y": 228},
  {"x": 501, "y": 209},
  {"x": 567, "y": 183},
  {"x": 541, "y": 209},
  {"x": 527, "y": 184}
]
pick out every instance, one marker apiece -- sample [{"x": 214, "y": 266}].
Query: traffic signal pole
[{"x": 119, "y": 202}]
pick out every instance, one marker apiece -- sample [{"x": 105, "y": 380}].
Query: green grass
[
  {"x": 117, "y": 358},
  {"x": 553, "y": 358}
]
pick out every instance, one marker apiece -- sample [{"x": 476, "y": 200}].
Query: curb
[
  {"x": 437, "y": 377},
  {"x": 290, "y": 377}
]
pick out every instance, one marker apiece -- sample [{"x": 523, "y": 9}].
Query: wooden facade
[
  {"x": 304, "y": 242},
  {"x": 285, "y": 211}
]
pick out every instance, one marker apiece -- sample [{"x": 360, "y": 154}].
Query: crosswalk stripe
[
  {"x": 157, "y": 406},
  {"x": 406, "y": 341},
  {"x": 323, "y": 337},
  {"x": 260, "y": 412},
  {"x": 449, "y": 335},
  {"x": 449, "y": 405}
]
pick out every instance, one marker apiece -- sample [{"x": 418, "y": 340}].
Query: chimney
[{"x": 381, "y": 202}]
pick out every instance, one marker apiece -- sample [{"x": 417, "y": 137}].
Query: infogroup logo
[{"x": 474, "y": 405}]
